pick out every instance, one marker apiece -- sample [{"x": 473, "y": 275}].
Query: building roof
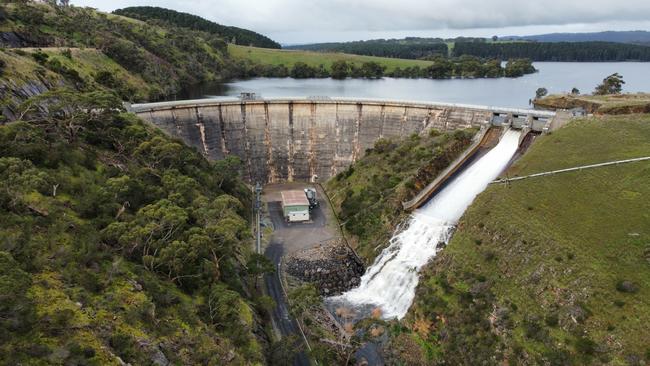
[{"x": 294, "y": 198}]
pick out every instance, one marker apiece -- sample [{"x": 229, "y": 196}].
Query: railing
[
  {"x": 542, "y": 174},
  {"x": 144, "y": 107}
]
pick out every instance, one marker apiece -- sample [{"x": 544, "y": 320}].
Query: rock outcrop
[{"x": 19, "y": 39}]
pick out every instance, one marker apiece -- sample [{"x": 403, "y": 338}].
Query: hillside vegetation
[
  {"x": 168, "y": 59},
  {"x": 368, "y": 196},
  {"x": 117, "y": 241},
  {"x": 551, "y": 270},
  {"x": 231, "y": 34}
]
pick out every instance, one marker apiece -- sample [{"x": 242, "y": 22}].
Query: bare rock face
[
  {"x": 331, "y": 266},
  {"x": 14, "y": 93},
  {"x": 20, "y": 39}
]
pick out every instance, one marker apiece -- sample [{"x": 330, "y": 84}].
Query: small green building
[{"x": 295, "y": 206}]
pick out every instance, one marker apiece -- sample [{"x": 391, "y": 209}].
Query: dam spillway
[
  {"x": 297, "y": 139},
  {"x": 390, "y": 282}
]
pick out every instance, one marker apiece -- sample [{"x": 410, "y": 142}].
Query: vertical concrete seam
[
  {"x": 247, "y": 144},
  {"x": 357, "y": 144},
  {"x": 222, "y": 133},
  {"x": 290, "y": 167},
  {"x": 177, "y": 127},
  {"x": 337, "y": 138},
  {"x": 201, "y": 126},
  {"x": 271, "y": 176},
  {"x": 312, "y": 141}
]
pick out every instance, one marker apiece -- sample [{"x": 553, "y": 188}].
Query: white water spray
[{"x": 391, "y": 281}]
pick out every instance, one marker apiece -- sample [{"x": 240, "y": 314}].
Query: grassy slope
[
  {"x": 289, "y": 57},
  {"x": 599, "y": 104},
  {"x": 86, "y": 61},
  {"x": 555, "y": 247}
]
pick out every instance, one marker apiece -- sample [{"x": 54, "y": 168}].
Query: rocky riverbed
[{"x": 331, "y": 266}]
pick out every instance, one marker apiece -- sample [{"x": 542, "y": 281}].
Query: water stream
[{"x": 391, "y": 281}]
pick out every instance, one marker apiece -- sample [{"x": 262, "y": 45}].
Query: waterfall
[{"x": 391, "y": 281}]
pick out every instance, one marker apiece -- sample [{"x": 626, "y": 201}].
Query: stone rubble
[{"x": 331, "y": 266}]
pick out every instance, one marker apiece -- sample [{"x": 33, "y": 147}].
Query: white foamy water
[{"x": 391, "y": 281}]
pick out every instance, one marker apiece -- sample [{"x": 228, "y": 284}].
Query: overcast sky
[{"x": 307, "y": 21}]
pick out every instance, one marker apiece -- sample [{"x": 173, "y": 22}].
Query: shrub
[
  {"x": 489, "y": 256},
  {"x": 534, "y": 330},
  {"x": 552, "y": 320},
  {"x": 40, "y": 57},
  {"x": 3, "y": 64},
  {"x": 585, "y": 346},
  {"x": 619, "y": 303},
  {"x": 123, "y": 345},
  {"x": 106, "y": 79},
  {"x": 627, "y": 287}
]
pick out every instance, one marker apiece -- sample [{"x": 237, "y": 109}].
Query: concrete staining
[{"x": 295, "y": 139}]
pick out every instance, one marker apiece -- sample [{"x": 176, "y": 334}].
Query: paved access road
[
  {"x": 287, "y": 238},
  {"x": 282, "y": 320}
]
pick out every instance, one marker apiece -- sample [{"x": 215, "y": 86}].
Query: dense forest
[
  {"x": 409, "y": 48},
  {"x": 231, "y": 34},
  {"x": 423, "y": 48},
  {"x": 552, "y": 51}
]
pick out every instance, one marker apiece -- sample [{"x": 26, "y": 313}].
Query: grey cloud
[{"x": 292, "y": 16}]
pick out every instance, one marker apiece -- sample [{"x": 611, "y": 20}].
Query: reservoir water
[
  {"x": 391, "y": 281},
  {"x": 557, "y": 77}
]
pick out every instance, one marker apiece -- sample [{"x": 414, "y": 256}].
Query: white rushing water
[{"x": 391, "y": 281}]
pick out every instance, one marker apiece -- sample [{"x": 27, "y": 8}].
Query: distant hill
[
  {"x": 555, "y": 51},
  {"x": 637, "y": 37},
  {"x": 235, "y": 35}
]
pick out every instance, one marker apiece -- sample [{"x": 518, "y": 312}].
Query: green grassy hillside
[
  {"x": 550, "y": 270},
  {"x": 289, "y": 57}
]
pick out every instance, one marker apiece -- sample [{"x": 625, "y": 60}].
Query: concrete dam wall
[{"x": 297, "y": 139}]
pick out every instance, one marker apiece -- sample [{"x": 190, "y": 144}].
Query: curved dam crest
[{"x": 295, "y": 139}]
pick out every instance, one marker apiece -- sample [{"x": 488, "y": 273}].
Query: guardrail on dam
[{"x": 296, "y": 139}]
